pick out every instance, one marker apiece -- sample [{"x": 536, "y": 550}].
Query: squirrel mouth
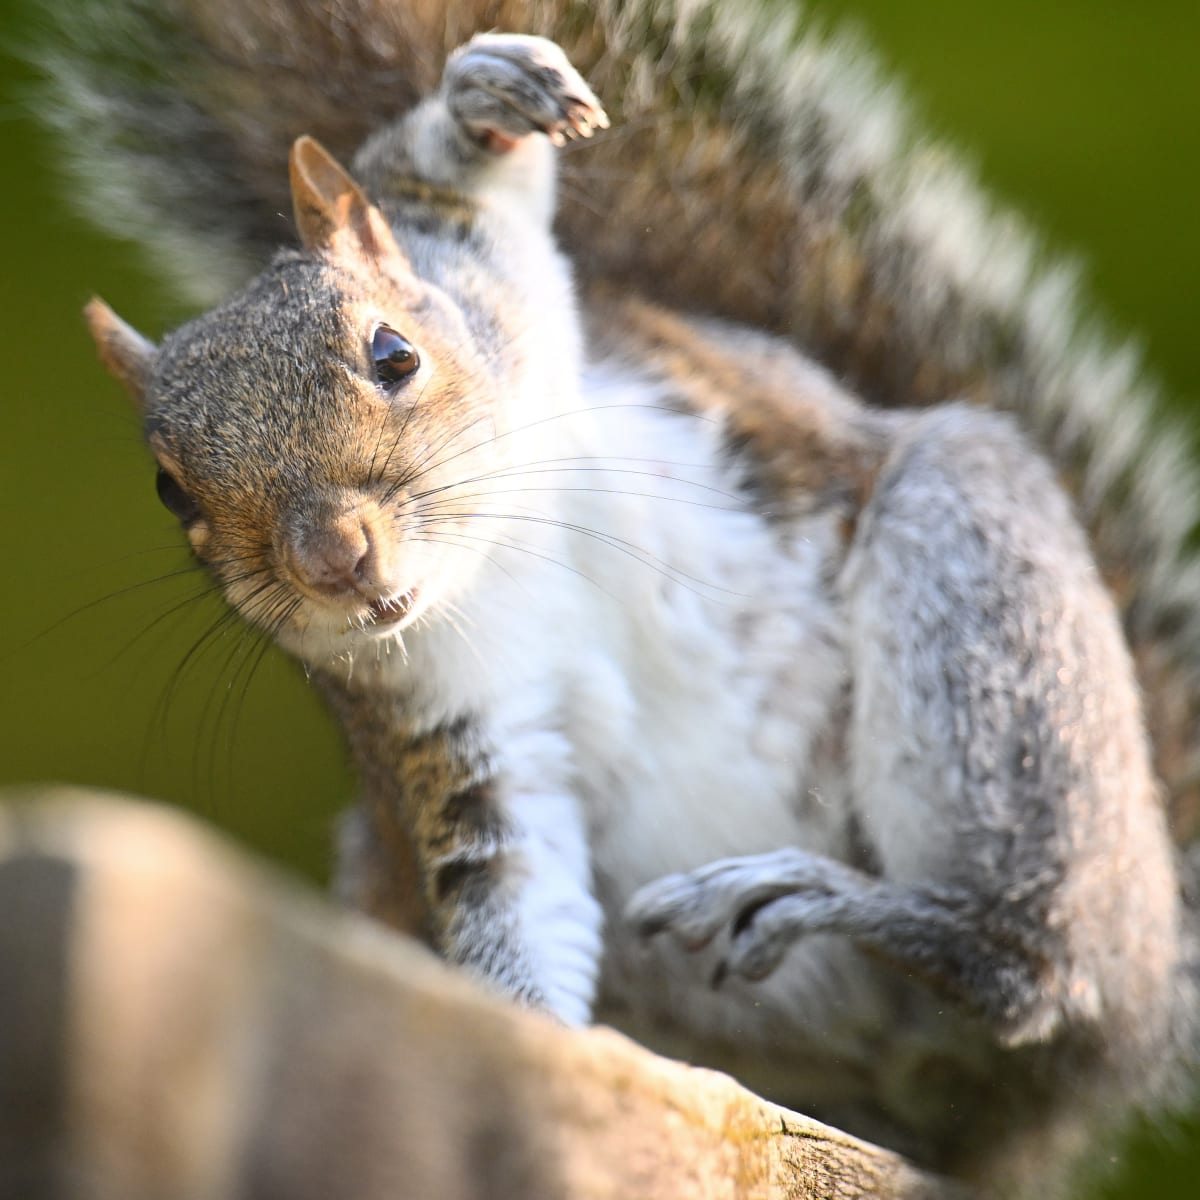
[{"x": 393, "y": 609}]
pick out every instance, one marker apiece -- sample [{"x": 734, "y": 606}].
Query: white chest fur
[{"x": 683, "y": 649}]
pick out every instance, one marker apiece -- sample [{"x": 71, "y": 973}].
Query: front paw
[
  {"x": 503, "y": 87},
  {"x": 766, "y": 902}
]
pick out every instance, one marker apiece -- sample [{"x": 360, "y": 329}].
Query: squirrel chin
[{"x": 386, "y": 614}]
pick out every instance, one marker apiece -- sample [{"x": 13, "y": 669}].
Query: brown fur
[
  {"x": 441, "y": 847},
  {"x": 444, "y": 806},
  {"x": 806, "y": 455}
]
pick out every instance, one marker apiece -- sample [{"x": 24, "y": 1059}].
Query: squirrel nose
[{"x": 335, "y": 557}]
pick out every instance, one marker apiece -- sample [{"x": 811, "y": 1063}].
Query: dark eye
[
  {"x": 395, "y": 357},
  {"x": 177, "y": 501}
]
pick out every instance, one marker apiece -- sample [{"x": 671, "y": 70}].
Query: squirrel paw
[
  {"x": 766, "y": 901},
  {"x": 501, "y": 87}
]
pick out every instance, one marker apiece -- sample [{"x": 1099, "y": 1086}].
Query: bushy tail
[{"x": 755, "y": 170}]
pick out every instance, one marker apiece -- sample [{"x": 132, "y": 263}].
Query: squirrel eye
[
  {"x": 175, "y": 499},
  {"x": 395, "y": 357}
]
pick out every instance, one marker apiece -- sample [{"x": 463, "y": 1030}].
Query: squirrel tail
[{"x": 756, "y": 170}]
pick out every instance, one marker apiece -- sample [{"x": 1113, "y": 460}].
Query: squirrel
[{"x": 678, "y": 526}]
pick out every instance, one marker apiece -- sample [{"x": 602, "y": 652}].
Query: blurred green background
[{"x": 1086, "y": 115}]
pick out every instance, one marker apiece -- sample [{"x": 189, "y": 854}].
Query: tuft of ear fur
[
  {"x": 332, "y": 212},
  {"x": 126, "y": 355}
]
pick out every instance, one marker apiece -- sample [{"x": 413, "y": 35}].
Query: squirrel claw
[
  {"x": 503, "y": 87},
  {"x": 676, "y": 904},
  {"x": 671, "y": 905},
  {"x": 760, "y": 945},
  {"x": 767, "y": 903}
]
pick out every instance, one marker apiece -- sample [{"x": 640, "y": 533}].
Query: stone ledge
[{"x": 179, "y": 1022}]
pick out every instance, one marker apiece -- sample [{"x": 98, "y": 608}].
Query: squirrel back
[{"x": 757, "y": 171}]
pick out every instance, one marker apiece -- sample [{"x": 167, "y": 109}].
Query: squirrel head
[{"x": 311, "y": 432}]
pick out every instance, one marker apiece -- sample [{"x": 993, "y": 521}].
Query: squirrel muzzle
[{"x": 342, "y": 554}]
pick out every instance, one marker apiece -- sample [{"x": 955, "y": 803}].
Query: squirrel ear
[
  {"x": 126, "y": 355},
  {"x": 330, "y": 206}
]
